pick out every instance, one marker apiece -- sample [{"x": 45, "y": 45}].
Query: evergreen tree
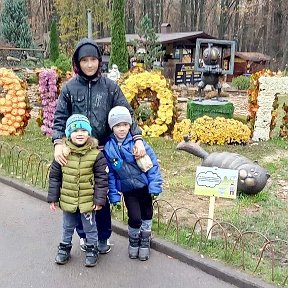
[
  {"x": 119, "y": 51},
  {"x": 54, "y": 42},
  {"x": 15, "y": 26},
  {"x": 147, "y": 48}
]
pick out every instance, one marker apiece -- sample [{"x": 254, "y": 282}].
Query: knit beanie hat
[
  {"x": 117, "y": 115},
  {"x": 77, "y": 121},
  {"x": 88, "y": 50}
]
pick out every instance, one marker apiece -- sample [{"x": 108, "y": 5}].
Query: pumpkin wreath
[
  {"x": 153, "y": 86},
  {"x": 14, "y": 107}
]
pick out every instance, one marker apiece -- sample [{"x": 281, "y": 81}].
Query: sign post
[
  {"x": 210, "y": 215},
  {"x": 215, "y": 182}
]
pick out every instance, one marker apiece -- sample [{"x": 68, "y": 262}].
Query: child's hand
[
  {"x": 53, "y": 206},
  {"x": 139, "y": 149},
  {"x": 97, "y": 207}
]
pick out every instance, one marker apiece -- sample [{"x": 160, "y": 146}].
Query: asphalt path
[{"x": 30, "y": 233}]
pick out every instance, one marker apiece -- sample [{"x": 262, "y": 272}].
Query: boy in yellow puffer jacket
[{"x": 79, "y": 187}]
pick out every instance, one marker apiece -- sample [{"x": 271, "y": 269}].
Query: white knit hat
[{"x": 117, "y": 115}]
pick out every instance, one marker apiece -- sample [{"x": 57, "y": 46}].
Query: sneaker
[
  {"x": 63, "y": 254},
  {"x": 104, "y": 246},
  {"x": 91, "y": 255},
  {"x": 83, "y": 244}
]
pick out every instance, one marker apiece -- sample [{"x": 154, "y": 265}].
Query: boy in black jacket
[{"x": 92, "y": 95}]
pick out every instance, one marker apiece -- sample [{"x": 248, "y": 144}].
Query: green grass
[
  {"x": 33, "y": 141},
  {"x": 265, "y": 212}
]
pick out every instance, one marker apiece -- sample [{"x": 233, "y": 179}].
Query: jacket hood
[
  {"x": 76, "y": 63},
  {"x": 69, "y": 147}
]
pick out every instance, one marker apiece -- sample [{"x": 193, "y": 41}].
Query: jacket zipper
[{"x": 89, "y": 101}]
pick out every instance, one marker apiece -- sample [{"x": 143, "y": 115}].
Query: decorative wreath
[
  {"x": 14, "y": 108},
  {"x": 137, "y": 86}
]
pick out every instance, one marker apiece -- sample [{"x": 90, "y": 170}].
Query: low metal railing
[
  {"x": 20, "y": 163},
  {"x": 181, "y": 225}
]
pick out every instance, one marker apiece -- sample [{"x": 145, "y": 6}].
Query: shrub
[
  {"x": 15, "y": 25},
  {"x": 143, "y": 112},
  {"x": 212, "y": 131},
  {"x": 54, "y": 42},
  {"x": 119, "y": 52},
  {"x": 182, "y": 129},
  {"x": 32, "y": 79},
  {"x": 63, "y": 63},
  {"x": 241, "y": 82}
]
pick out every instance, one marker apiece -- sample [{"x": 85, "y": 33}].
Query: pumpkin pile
[{"x": 14, "y": 104}]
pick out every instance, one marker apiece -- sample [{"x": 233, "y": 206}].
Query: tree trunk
[{"x": 183, "y": 16}]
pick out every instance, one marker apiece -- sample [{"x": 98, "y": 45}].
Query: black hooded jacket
[{"x": 92, "y": 98}]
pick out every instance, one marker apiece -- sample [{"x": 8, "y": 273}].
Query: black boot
[
  {"x": 133, "y": 248},
  {"x": 144, "y": 250},
  {"x": 91, "y": 255},
  {"x": 63, "y": 254}
]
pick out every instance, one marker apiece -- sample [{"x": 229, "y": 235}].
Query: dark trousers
[
  {"x": 139, "y": 206},
  {"x": 103, "y": 221}
]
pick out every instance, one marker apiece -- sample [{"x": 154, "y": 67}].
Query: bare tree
[{"x": 257, "y": 25}]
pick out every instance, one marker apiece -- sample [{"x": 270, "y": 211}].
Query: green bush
[
  {"x": 15, "y": 26},
  {"x": 63, "y": 63},
  {"x": 32, "y": 79},
  {"x": 54, "y": 42},
  {"x": 241, "y": 82},
  {"x": 48, "y": 63},
  {"x": 143, "y": 112}
]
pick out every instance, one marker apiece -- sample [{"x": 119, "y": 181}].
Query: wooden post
[{"x": 210, "y": 216}]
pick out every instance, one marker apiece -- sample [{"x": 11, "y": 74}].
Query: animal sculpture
[
  {"x": 252, "y": 178},
  {"x": 212, "y": 71}
]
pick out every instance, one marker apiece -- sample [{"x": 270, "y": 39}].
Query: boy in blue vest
[
  {"x": 80, "y": 187},
  {"x": 137, "y": 184}
]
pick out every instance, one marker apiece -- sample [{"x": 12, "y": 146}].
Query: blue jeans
[
  {"x": 103, "y": 221},
  {"x": 70, "y": 221}
]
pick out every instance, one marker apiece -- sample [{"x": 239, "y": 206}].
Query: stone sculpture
[
  {"x": 114, "y": 73},
  {"x": 212, "y": 71},
  {"x": 251, "y": 178}
]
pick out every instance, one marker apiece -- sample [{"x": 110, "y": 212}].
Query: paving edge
[{"x": 212, "y": 267}]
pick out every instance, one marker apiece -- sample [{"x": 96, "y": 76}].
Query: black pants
[
  {"x": 103, "y": 221},
  {"x": 139, "y": 206}
]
